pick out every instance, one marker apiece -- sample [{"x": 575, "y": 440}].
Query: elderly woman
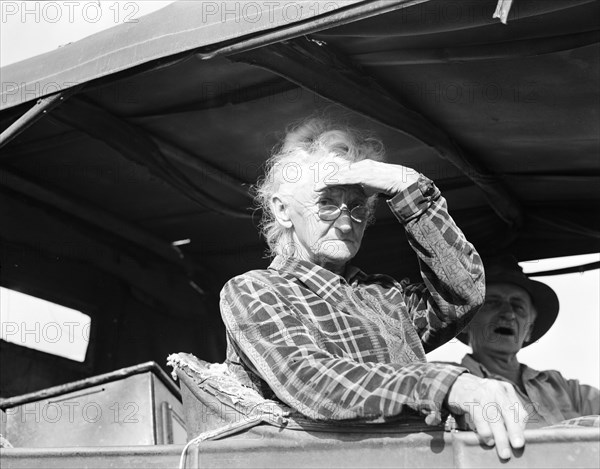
[{"x": 334, "y": 342}]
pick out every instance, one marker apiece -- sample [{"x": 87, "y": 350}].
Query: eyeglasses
[{"x": 359, "y": 214}]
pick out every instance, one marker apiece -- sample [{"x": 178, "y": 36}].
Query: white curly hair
[{"x": 311, "y": 140}]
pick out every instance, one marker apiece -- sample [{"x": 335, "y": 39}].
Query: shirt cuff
[
  {"x": 415, "y": 200},
  {"x": 435, "y": 385}
]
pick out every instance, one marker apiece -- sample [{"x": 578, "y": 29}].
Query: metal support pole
[{"x": 42, "y": 106}]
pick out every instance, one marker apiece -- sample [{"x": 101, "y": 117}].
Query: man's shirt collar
[{"x": 470, "y": 363}]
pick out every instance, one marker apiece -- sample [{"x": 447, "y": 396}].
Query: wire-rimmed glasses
[{"x": 359, "y": 213}]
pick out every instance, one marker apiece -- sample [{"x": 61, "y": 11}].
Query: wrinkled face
[
  {"x": 505, "y": 320},
  {"x": 330, "y": 244}
]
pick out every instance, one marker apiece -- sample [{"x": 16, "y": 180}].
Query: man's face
[
  {"x": 330, "y": 244},
  {"x": 505, "y": 320}
]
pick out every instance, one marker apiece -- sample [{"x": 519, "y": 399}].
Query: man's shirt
[
  {"x": 550, "y": 398},
  {"x": 350, "y": 347}
]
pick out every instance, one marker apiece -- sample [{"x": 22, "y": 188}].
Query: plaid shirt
[{"x": 353, "y": 347}]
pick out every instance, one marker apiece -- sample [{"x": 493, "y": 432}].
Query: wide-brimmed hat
[{"x": 505, "y": 269}]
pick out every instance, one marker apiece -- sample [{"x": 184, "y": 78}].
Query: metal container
[{"x": 139, "y": 405}]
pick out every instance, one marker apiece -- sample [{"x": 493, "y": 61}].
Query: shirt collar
[
  {"x": 469, "y": 362},
  {"x": 319, "y": 280},
  {"x": 529, "y": 373}
]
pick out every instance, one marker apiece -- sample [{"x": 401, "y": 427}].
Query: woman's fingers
[
  {"x": 483, "y": 429},
  {"x": 494, "y": 408},
  {"x": 338, "y": 172},
  {"x": 516, "y": 417},
  {"x": 501, "y": 431},
  {"x": 373, "y": 176},
  {"x": 494, "y": 432}
]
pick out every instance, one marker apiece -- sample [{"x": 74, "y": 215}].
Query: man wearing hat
[{"x": 516, "y": 313}]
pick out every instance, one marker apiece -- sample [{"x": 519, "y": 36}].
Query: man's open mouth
[{"x": 503, "y": 330}]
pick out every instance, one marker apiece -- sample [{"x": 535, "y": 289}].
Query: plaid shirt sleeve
[
  {"x": 452, "y": 271},
  {"x": 282, "y": 348}
]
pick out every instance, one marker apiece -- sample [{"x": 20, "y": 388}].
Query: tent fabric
[{"x": 175, "y": 29}]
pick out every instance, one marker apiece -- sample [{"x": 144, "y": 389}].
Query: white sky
[
  {"x": 32, "y": 28},
  {"x": 571, "y": 346},
  {"x": 42, "y": 325}
]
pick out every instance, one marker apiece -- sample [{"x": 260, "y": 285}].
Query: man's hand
[
  {"x": 374, "y": 176},
  {"x": 494, "y": 409}
]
